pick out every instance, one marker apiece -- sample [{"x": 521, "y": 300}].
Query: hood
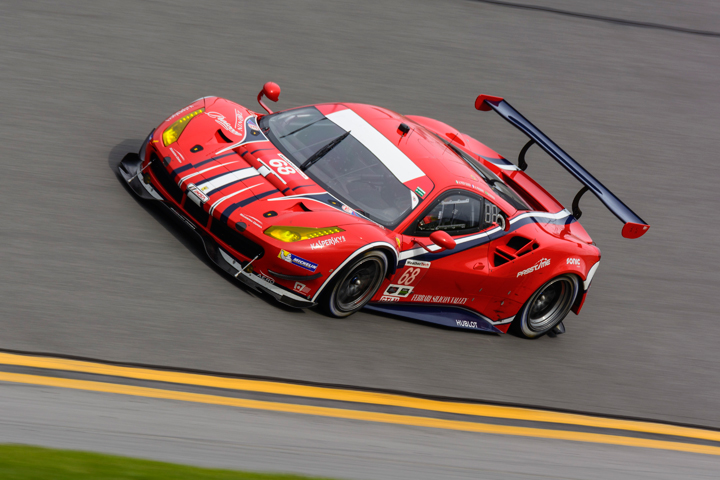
[{"x": 235, "y": 174}]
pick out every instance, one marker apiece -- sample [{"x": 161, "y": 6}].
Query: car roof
[{"x": 428, "y": 153}]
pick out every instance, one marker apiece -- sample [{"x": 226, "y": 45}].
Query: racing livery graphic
[{"x": 347, "y": 206}]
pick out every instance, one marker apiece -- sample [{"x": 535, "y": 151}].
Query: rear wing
[{"x": 634, "y": 226}]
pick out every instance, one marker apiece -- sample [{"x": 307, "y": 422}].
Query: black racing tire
[
  {"x": 547, "y": 307},
  {"x": 354, "y": 285}
]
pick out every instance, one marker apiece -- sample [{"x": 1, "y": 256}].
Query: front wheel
[
  {"x": 547, "y": 307},
  {"x": 355, "y": 285}
]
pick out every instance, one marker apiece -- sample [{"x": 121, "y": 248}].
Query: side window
[{"x": 457, "y": 213}]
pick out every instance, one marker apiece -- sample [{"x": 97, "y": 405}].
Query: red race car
[{"x": 347, "y": 206}]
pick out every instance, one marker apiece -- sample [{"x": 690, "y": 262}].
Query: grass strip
[{"x": 21, "y": 462}]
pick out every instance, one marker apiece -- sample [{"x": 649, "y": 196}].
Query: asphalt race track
[{"x": 88, "y": 270}]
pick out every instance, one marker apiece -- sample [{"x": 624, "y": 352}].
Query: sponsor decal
[
  {"x": 439, "y": 299},
  {"x": 347, "y": 209},
  {"x": 479, "y": 189},
  {"x": 573, "y": 261},
  {"x": 196, "y": 195},
  {"x": 399, "y": 242},
  {"x": 386, "y": 298},
  {"x": 182, "y": 110},
  {"x": 420, "y": 192},
  {"x": 542, "y": 263},
  {"x": 327, "y": 242},
  {"x": 398, "y": 291},
  {"x": 466, "y": 324},
  {"x": 252, "y": 220},
  {"x": 265, "y": 278},
  {"x": 238, "y": 120},
  {"x": 417, "y": 263},
  {"x": 252, "y": 124},
  {"x": 220, "y": 119},
  {"x": 302, "y": 288},
  {"x": 299, "y": 261},
  {"x": 178, "y": 155}
]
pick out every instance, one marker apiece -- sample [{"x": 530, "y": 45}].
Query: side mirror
[
  {"x": 272, "y": 91},
  {"x": 442, "y": 239}
]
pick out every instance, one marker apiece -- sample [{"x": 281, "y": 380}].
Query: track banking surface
[
  {"x": 331, "y": 409},
  {"x": 88, "y": 270}
]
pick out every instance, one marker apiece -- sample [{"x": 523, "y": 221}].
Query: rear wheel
[
  {"x": 355, "y": 285},
  {"x": 547, "y": 307}
]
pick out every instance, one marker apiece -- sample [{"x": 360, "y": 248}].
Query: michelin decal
[{"x": 295, "y": 260}]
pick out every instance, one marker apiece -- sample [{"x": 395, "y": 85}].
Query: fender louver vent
[{"x": 516, "y": 247}]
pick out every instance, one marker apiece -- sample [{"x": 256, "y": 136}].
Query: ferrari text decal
[
  {"x": 438, "y": 299},
  {"x": 295, "y": 260},
  {"x": 544, "y": 262},
  {"x": 386, "y": 298},
  {"x": 398, "y": 290},
  {"x": 466, "y": 324},
  {"x": 327, "y": 242},
  {"x": 220, "y": 119},
  {"x": 573, "y": 261}
]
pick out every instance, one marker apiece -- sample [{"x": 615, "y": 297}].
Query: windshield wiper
[
  {"x": 312, "y": 159},
  {"x": 303, "y": 127}
]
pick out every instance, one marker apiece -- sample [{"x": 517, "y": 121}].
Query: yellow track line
[
  {"x": 357, "y": 414},
  {"x": 357, "y": 396}
]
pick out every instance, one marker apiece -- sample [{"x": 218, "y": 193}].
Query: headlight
[
  {"x": 173, "y": 132},
  {"x": 295, "y": 234}
]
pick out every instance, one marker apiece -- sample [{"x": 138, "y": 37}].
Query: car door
[{"x": 452, "y": 277}]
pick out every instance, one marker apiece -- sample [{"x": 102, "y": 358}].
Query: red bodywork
[{"x": 490, "y": 274}]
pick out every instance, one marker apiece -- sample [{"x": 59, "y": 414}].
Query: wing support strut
[
  {"x": 633, "y": 227},
  {"x": 521, "y": 158}
]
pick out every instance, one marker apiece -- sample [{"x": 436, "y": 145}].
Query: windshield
[{"x": 340, "y": 164}]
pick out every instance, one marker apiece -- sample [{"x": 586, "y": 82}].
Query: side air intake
[{"x": 516, "y": 247}]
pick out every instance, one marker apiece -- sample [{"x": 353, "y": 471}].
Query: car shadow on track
[{"x": 177, "y": 229}]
